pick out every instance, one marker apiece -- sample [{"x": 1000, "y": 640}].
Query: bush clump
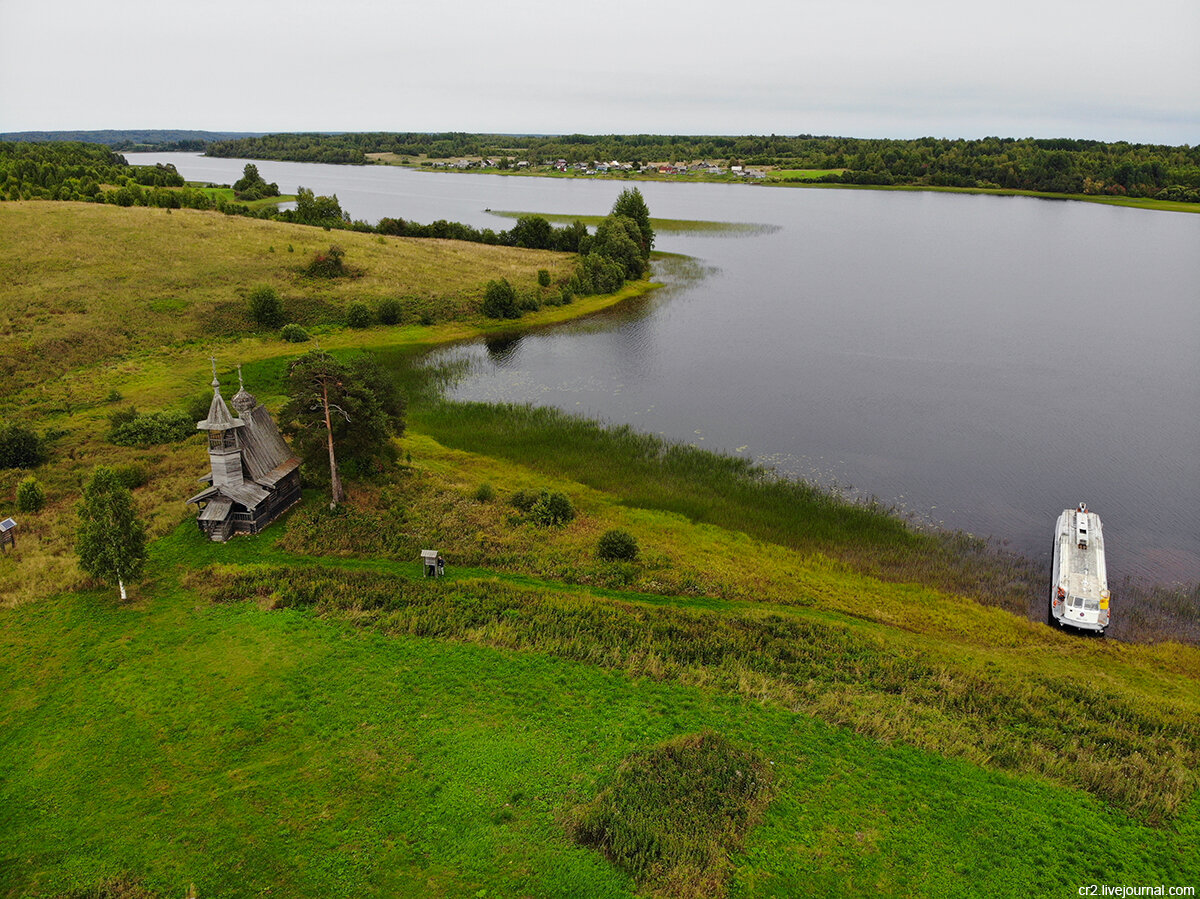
[
  {"x": 20, "y": 447},
  {"x": 293, "y": 333},
  {"x": 265, "y": 307},
  {"x": 390, "y": 311},
  {"x": 330, "y": 264},
  {"x": 485, "y": 494},
  {"x": 30, "y": 495},
  {"x": 132, "y": 475},
  {"x": 358, "y": 314},
  {"x": 543, "y": 277},
  {"x": 500, "y": 300},
  {"x": 151, "y": 428},
  {"x": 552, "y": 509},
  {"x": 617, "y": 546},
  {"x": 672, "y": 815},
  {"x": 523, "y": 500}
]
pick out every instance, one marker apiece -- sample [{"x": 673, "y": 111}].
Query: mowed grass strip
[{"x": 803, "y": 174}]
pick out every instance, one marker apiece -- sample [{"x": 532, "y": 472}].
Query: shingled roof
[{"x": 265, "y": 456}]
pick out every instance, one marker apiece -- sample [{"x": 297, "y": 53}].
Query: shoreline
[{"x": 1147, "y": 203}]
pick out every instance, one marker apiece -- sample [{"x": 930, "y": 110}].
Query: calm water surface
[{"x": 980, "y": 362}]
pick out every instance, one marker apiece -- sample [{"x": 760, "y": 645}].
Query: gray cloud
[{"x": 1098, "y": 69}]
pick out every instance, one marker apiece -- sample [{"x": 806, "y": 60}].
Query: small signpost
[
  {"x": 8, "y": 533},
  {"x": 433, "y": 563}
]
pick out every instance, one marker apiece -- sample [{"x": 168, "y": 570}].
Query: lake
[{"x": 979, "y": 362}]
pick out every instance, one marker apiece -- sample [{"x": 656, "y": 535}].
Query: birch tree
[{"x": 111, "y": 539}]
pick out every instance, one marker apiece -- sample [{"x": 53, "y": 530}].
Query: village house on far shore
[{"x": 254, "y": 476}]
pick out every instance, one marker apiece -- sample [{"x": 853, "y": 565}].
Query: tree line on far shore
[{"x": 1055, "y": 165}]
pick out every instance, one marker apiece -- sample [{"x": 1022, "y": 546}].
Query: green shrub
[
  {"x": 567, "y": 296},
  {"x": 152, "y": 428},
  {"x": 119, "y": 417},
  {"x": 132, "y": 475},
  {"x": 30, "y": 495},
  {"x": 617, "y": 546},
  {"x": 293, "y": 333},
  {"x": 198, "y": 405},
  {"x": 358, "y": 314},
  {"x": 543, "y": 277},
  {"x": 114, "y": 396},
  {"x": 20, "y": 447},
  {"x": 500, "y": 300},
  {"x": 265, "y": 307},
  {"x": 523, "y": 500},
  {"x": 390, "y": 311},
  {"x": 552, "y": 509},
  {"x": 426, "y": 319},
  {"x": 530, "y": 303},
  {"x": 485, "y": 494},
  {"x": 330, "y": 264}
]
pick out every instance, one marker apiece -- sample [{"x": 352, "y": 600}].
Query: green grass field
[
  {"x": 300, "y": 714},
  {"x": 312, "y": 752},
  {"x": 227, "y": 195}
]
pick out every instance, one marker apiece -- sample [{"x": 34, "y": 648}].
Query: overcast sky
[{"x": 1105, "y": 69}]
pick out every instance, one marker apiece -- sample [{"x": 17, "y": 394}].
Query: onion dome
[{"x": 243, "y": 400}]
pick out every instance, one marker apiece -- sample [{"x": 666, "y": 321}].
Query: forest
[
  {"x": 71, "y": 170},
  {"x": 1057, "y": 165}
]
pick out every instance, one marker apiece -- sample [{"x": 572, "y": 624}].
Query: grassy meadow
[
  {"x": 660, "y": 225},
  {"x": 862, "y": 710},
  {"x": 95, "y": 282}
]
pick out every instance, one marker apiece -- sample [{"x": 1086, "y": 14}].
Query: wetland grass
[{"x": 646, "y": 471}]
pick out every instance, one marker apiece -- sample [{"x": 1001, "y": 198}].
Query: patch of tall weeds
[{"x": 672, "y": 815}]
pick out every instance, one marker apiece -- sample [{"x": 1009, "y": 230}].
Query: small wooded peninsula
[{"x": 645, "y": 669}]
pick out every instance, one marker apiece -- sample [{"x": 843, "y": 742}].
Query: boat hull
[{"x": 1079, "y": 597}]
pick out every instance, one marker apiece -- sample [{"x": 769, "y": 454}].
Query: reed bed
[{"x": 646, "y": 471}]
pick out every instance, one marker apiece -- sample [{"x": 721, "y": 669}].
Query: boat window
[{"x": 1092, "y": 605}]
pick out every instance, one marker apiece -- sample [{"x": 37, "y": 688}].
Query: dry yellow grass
[{"x": 82, "y": 282}]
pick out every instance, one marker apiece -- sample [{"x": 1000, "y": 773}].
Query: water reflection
[{"x": 502, "y": 348}]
